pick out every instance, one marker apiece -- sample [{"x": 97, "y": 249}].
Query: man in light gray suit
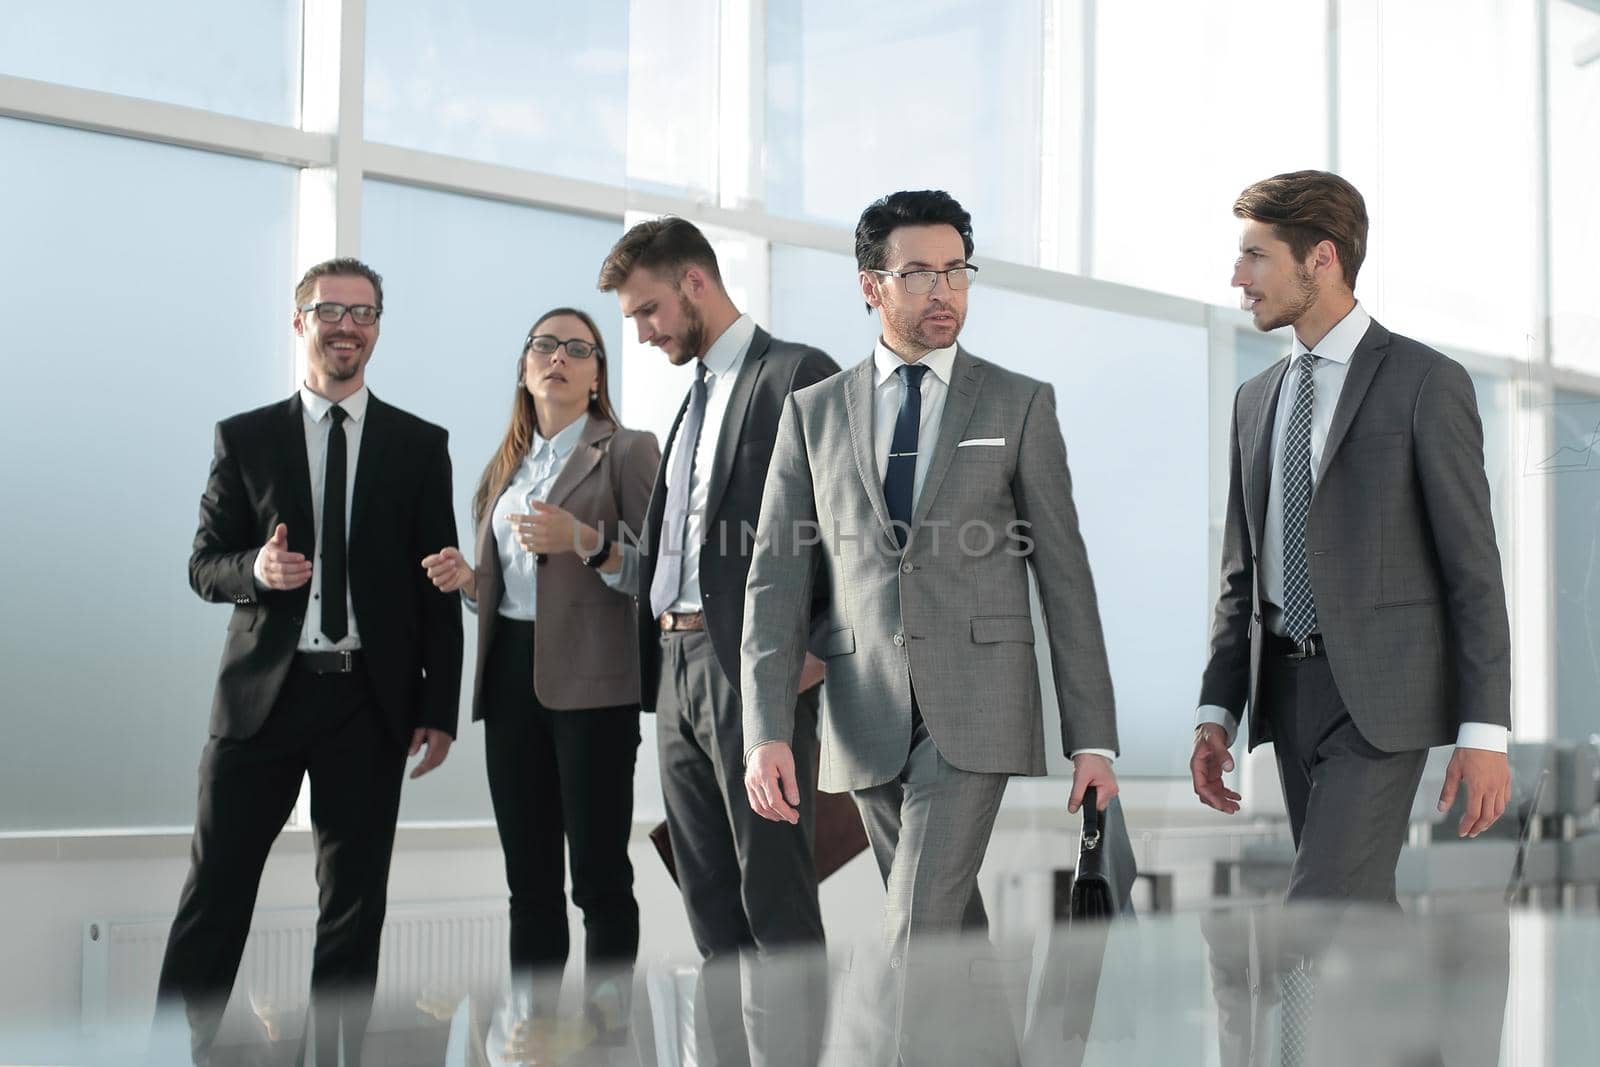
[
  {"x": 1362, "y": 616},
  {"x": 916, "y": 490}
]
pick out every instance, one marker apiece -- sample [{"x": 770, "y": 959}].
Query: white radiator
[{"x": 432, "y": 954}]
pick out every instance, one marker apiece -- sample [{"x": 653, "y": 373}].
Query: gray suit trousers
[
  {"x": 935, "y": 1001},
  {"x": 749, "y": 885},
  {"x": 1349, "y": 802}
]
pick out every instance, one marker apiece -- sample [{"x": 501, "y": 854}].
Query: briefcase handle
[{"x": 1094, "y": 820}]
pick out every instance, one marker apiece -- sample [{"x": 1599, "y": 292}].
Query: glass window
[
  {"x": 1573, "y": 465},
  {"x": 862, "y": 101},
  {"x": 239, "y": 59},
  {"x": 1185, "y": 118},
  {"x": 464, "y": 280},
  {"x": 540, "y": 86},
  {"x": 673, "y": 136},
  {"x": 1574, "y": 66},
  {"x": 1141, "y": 495},
  {"x": 1437, "y": 120},
  {"x": 816, "y": 300},
  {"x": 154, "y": 288}
]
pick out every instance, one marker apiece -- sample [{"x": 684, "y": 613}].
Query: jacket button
[
  {"x": 907, "y": 568},
  {"x": 899, "y": 640}
]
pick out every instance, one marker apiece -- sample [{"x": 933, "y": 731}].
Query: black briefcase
[{"x": 1103, "y": 885}]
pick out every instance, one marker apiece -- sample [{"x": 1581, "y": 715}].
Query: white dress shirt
[
  {"x": 723, "y": 360},
  {"x": 887, "y": 395},
  {"x": 1334, "y": 353},
  {"x": 317, "y": 424}
]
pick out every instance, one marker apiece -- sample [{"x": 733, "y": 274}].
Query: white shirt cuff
[
  {"x": 1110, "y": 756},
  {"x": 255, "y": 569},
  {"x": 1484, "y": 735},
  {"x": 1219, "y": 715}
]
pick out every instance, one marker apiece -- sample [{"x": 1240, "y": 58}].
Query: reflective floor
[{"x": 1249, "y": 985}]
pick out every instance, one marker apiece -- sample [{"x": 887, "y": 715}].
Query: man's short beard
[{"x": 1306, "y": 289}]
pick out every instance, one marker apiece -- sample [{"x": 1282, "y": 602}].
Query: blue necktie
[
  {"x": 675, "y": 516},
  {"x": 900, "y": 478},
  {"x": 1299, "y": 606}
]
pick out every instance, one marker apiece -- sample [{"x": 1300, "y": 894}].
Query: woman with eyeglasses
[{"x": 557, "y": 680}]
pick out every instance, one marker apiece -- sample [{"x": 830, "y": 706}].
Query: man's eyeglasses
[
  {"x": 922, "y": 282},
  {"x": 546, "y": 344},
  {"x": 330, "y": 312}
]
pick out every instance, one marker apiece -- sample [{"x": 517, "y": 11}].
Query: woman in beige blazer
[{"x": 557, "y": 680}]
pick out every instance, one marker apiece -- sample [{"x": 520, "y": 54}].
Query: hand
[
  {"x": 449, "y": 572},
  {"x": 812, "y": 672},
  {"x": 1488, "y": 779},
  {"x": 547, "y": 530},
  {"x": 1210, "y": 759},
  {"x": 279, "y": 568},
  {"x": 438, "y": 743},
  {"x": 1089, "y": 769},
  {"x": 769, "y": 781}
]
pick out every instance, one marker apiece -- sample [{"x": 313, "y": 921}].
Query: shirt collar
[
  {"x": 317, "y": 406},
  {"x": 941, "y": 361},
  {"x": 562, "y": 443},
  {"x": 1340, "y": 343},
  {"x": 726, "y": 351}
]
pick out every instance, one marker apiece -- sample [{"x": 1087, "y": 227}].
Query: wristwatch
[
  {"x": 601, "y": 554},
  {"x": 1200, "y": 731}
]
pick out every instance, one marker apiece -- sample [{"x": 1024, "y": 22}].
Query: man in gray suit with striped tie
[
  {"x": 1362, "y": 615},
  {"x": 917, "y": 491}
]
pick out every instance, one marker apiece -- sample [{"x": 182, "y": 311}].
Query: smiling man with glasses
[{"x": 341, "y": 659}]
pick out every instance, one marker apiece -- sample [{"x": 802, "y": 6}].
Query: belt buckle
[
  {"x": 1305, "y": 648},
  {"x": 347, "y": 661}
]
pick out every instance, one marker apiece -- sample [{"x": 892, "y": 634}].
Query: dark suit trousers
[
  {"x": 747, "y": 883},
  {"x": 1349, "y": 802},
  {"x": 329, "y": 727},
  {"x": 557, "y": 775}
]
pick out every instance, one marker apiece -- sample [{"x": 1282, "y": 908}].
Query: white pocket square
[{"x": 982, "y": 441}]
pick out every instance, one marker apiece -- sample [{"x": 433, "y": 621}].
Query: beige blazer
[{"x": 584, "y": 652}]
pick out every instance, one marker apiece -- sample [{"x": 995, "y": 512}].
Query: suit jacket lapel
[
  {"x": 1364, "y": 363},
  {"x": 966, "y": 379},
  {"x": 292, "y": 446},
  {"x": 1260, "y": 468},
  {"x": 584, "y": 458},
  {"x": 374, "y": 442},
  {"x": 744, "y": 386},
  {"x": 858, "y": 407}
]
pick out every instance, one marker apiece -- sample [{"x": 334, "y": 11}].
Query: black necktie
[
  {"x": 335, "y": 621},
  {"x": 901, "y": 476},
  {"x": 675, "y": 514}
]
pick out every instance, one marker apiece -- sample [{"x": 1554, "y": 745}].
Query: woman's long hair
[{"x": 525, "y": 420}]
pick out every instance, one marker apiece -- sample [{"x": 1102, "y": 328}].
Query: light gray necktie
[
  {"x": 675, "y": 516},
  {"x": 1299, "y": 605}
]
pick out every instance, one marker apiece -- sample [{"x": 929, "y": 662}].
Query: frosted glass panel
[
  {"x": 864, "y": 100},
  {"x": 464, "y": 279},
  {"x": 1573, "y": 466},
  {"x": 1192, "y": 103},
  {"x": 542, "y": 86},
  {"x": 150, "y": 290},
  {"x": 237, "y": 58}
]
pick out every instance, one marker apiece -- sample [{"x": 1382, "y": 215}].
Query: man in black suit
[
  {"x": 748, "y": 884},
  {"x": 341, "y": 660}
]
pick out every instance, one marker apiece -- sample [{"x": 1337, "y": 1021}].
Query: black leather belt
[
  {"x": 1307, "y": 648},
  {"x": 328, "y": 662}
]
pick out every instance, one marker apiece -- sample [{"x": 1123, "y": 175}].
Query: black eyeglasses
[
  {"x": 546, "y": 344},
  {"x": 330, "y": 312},
  {"x": 922, "y": 282}
]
